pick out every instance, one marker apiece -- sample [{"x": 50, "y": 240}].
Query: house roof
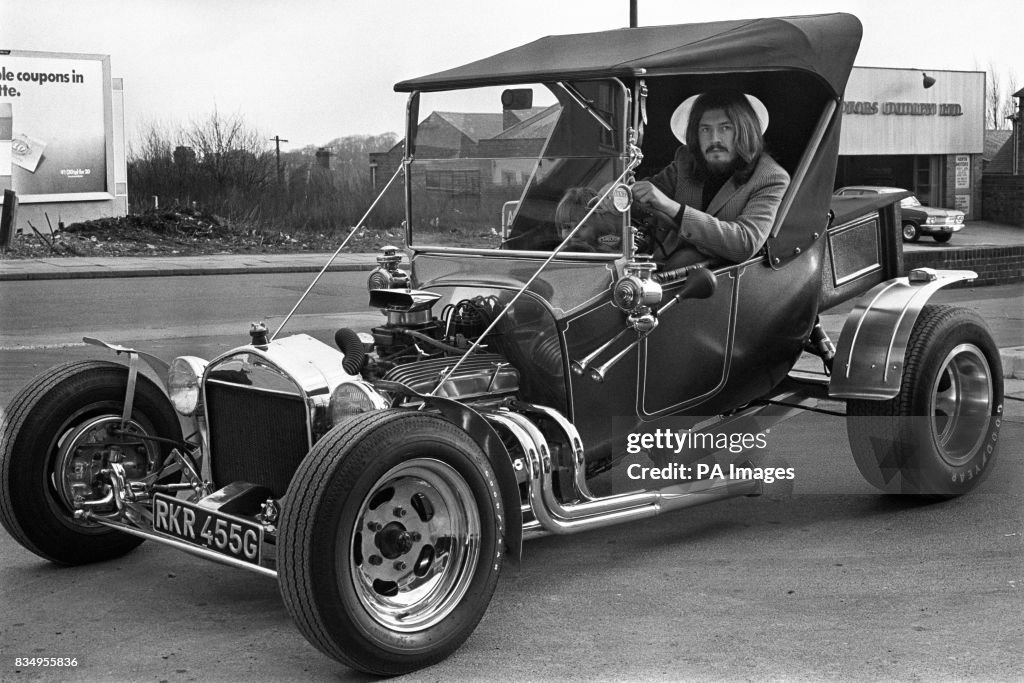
[
  {"x": 994, "y": 141},
  {"x": 474, "y": 126},
  {"x": 536, "y": 126},
  {"x": 483, "y": 126},
  {"x": 1002, "y": 161},
  {"x": 824, "y": 45}
]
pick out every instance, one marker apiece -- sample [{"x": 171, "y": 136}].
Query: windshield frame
[{"x": 625, "y": 135}]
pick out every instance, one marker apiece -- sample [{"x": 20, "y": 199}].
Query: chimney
[
  {"x": 512, "y": 100},
  {"x": 1017, "y": 121},
  {"x": 323, "y": 158}
]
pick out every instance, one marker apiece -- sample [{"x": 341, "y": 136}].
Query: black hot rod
[{"x": 385, "y": 478}]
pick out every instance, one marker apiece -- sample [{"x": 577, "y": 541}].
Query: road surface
[{"x": 833, "y": 582}]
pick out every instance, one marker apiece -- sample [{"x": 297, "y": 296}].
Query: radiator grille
[{"x": 255, "y": 436}]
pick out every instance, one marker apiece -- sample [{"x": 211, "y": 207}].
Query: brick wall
[
  {"x": 1003, "y": 199},
  {"x": 994, "y": 265},
  {"x": 974, "y": 192}
]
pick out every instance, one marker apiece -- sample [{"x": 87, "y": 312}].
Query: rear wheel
[
  {"x": 911, "y": 233},
  {"x": 60, "y": 434},
  {"x": 938, "y": 436},
  {"x": 391, "y": 542}
]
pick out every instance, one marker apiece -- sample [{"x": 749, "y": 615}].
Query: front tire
[
  {"x": 390, "y": 542},
  {"x": 942, "y": 237},
  {"x": 59, "y": 433},
  {"x": 911, "y": 233},
  {"x": 938, "y": 436}
]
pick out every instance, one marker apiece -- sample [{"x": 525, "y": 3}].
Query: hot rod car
[{"x": 385, "y": 477}]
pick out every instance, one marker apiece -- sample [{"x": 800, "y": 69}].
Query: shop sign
[
  {"x": 903, "y": 108},
  {"x": 962, "y": 202}
]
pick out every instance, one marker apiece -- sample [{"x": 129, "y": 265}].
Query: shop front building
[{"x": 921, "y": 131}]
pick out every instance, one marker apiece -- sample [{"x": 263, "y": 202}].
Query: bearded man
[{"x": 722, "y": 190}]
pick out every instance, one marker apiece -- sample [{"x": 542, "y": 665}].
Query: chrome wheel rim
[
  {"x": 416, "y": 545},
  {"x": 909, "y": 231},
  {"x": 960, "y": 405}
]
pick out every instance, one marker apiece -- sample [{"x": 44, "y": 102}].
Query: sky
[{"x": 311, "y": 71}]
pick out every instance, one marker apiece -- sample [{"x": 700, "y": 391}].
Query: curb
[
  {"x": 1013, "y": 362},
  {"x": 91, "y": 273}
]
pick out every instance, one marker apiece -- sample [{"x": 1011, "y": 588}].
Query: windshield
[
  {"x": 517, "y": 167},
  {"x": 909, "y": 202}
]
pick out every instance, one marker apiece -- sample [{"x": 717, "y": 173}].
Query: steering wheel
[{"x": 651, "y": 225}]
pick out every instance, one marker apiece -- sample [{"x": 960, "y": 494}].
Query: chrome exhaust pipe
[{"x": 558, "y": 518}]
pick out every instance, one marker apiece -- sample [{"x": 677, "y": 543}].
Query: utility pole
[
  {"x": 632, "y": 14},
  {"x": 277, "y": 142}
]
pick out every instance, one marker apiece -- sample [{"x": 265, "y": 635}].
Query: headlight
[
  {"x": 351, "y": 398},
  {"x": 183, "y": 380},
  {"x": 932, "y": 220}
]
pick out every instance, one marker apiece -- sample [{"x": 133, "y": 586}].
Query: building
[
  {"x": 1003, "y": 184},
  {"x": 901, "y": 128},
  {"x": 923, "y": 131},
  {"x": 474, "y": 137}
]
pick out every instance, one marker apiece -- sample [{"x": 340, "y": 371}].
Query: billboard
[{"x": 55, "y": 113}]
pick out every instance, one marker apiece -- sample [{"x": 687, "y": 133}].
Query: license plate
[{"x": 232, "y": 536}]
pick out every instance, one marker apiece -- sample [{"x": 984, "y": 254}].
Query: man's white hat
[{"x": 681, "y": 116}]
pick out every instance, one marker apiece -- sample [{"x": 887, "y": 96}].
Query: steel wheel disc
[
  {"x": 960, "y": 403},
  {"x": 415, "y": 546}
]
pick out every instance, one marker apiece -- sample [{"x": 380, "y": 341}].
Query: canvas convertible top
[{"x": 824, "y": 45}]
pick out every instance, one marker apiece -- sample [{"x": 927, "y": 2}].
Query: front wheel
[
  {"x": 911, "y": 233},
  {"x": 391, "y": 541},
  {"x": 938, "y": 436},
  {"x": 59, "y": 437},
  {"x": 942, "y": 237}
]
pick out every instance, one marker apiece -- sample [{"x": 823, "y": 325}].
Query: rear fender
[{"x": 869, "y": 356}]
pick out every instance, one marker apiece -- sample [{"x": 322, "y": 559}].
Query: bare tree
[
  {"x": 229, "y": 152},
  {"x": 993, "y": 98},
  {"x": 221, "y": 165},
  {"x": 1010, "y": 104},
  {"x": 999, "y": 100}
]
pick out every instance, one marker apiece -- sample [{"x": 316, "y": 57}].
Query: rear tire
[
  {"x": 58, "y": 433},
  {"x": 390, "y": 541},
  {"x": 938, "y": 436}
]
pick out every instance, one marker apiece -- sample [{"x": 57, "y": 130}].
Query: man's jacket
[{"x": 736, "y": 223}]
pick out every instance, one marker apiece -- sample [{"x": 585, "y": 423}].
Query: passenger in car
[
  {"x": 603, "y": 230},
  {"x": 722, "y": 191}
]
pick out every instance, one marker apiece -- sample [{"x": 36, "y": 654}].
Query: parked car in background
[{"x": 917, "y": 219}]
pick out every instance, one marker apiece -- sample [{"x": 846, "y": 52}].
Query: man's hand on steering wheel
[
  {"x": 651, "y": 221},
  {"x": 652, "y": 200}
]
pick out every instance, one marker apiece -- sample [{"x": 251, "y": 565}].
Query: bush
[{"x": 227, "y": 168}]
